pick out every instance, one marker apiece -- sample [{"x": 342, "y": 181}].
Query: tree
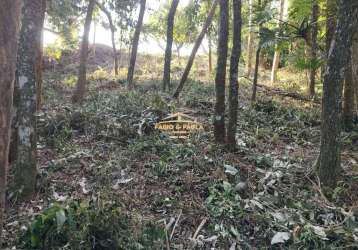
[
  {"x": 313, "y": 49},
  {"x": 135, "y": 42},
  {"x": 81, "y": 82},
  {"x": 250, "y": 41},
  {"x": 9, "y": 28},
  {"x": 195, "y": 49},
  {"x": 331, "y": 10},
  {"x": 29, "y": 55},
  {"x": 168, "y": 50},
  {"x": 348, "y": 97},
  {"x": 329, "y": 161},
  {"x": 234, "y": 67},
  {"x": 355, "y": 68},
  {"x": 276, "y": 58},
  {"x": 220, "y": 78},
  {"x": 113, "y": 30}
]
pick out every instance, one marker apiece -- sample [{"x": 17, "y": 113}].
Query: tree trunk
[
  {"x": 195, "y": 49},
  {"x": 9, "y": 28},
  {"x": 256, "y": 74},
  {"x": 220, "y": 78},
  {"x": 234, "y": 69},
  {"x": 329, "y": 161},
  {"x": 355, "y": 68},
  {"x": 250, "y": 41},
  {"x": 81, "y": 82},
  {"x": 348, "y": 103},
  {"x": 113, "y": 40},
  {"x": 276, "y": 58},
  {"x": 168, "y": 49},
  {"x": 135, "y": 42},
  {"x": 39, "y": 66},
  {"x": 313, "y": 49},
  {"x": 331, "y": 11},
  {"x": 25, "y": 169}
]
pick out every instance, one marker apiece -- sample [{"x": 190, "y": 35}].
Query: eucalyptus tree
[
  {"x": 135, "y": 41},
  {"x": 10, "y": 11},
  {"x": 329, "y": 161},
  {"x": 220, "y": 77}
]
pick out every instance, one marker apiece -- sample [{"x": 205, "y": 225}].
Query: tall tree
[
  {"x": 39, "y": 66},
  {"x": 220, "y": 78},
  {"x": 276, "y": 58},
  {"x": 25, "y": 169},
  {"x": 113, "y": 30},
  {"x": 331, "y": 11},
  {"x": 10, "y": 11},
  {"x": 81, "y": 82},
  {"x": 250, "y": 40},
  {"x": 135, "y": 42},
  {"x": 197, "y": 44},
  {"x": 234, "y": 68},
  {"x": 168, "y": 49},
  {"x": 329, "y": 161},
  {"x": 313, "y": 49}
]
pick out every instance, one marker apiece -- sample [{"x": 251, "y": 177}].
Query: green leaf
[{"x": 60, "y": 219}]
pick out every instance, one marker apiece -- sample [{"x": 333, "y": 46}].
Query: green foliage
[{"x": 88, "y": 226}]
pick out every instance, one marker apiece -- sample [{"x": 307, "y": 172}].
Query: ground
[{"x": 108, "y": 180}]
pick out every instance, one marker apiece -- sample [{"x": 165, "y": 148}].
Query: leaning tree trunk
[
  {"x": 313, "y": 49},
  {"x": 220, "y": 78},
  {"x": 234, "y": 68},
  {"x": 197, "y": 44},
  {"x": 250, "y": 41},
  {"x": 168, "y": 49},
  {"x": 25, "y": 169},
  {"x": 135, "y": 42},
  {"x": 81, "y": 82},
  {"x": 9, "y": 28},
  {"x": 329, "y": 161},
  {"x": 276, "y": 58},
  {"x": 113, "y": 30},
  {"x": 348, "y": 99}
]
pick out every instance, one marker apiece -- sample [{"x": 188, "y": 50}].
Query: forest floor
[{"x": 108, "y": 180}]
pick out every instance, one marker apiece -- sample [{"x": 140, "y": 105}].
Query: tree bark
[
  {"x": 256, "y": 74},
  {"x": 113, "y": 30},
  {"x": 276, "y": 58},
  {"x": 135, "y": 42},
  {"x": 210, "y": 55},
  {"x": 168, "y": 49},
  {"x": 220, "y": 78},
  {"x": 10, "y": 11},
  {"x": 313, "y": 49},
  {"x": 25, "y": 169},
  {"x": 329, "y": 161},
  {"x": 81, "y": 82},
  {"x": 198, "y": 41},
  {"x": 250, "y": 41},
  {"x": 331, "y": 11},
  {"x": 348, "y": 103},
  {"x": 234, "y": 69},
  {"x": 355, "y": 68},
  {"x": 39, "y": 66}
]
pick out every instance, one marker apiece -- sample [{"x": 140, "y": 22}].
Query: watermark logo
[{"x": 179, "y": 125}]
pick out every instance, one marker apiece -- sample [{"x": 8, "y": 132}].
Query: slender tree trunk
[
  {"x": 329, "y": 161},
  {"x": 348, "y": 104},
  {"x": 10, "y": 11},
  {"x": 234, "y": 69},
  {"x": 195, "y": 49},
  {"x": 250, "y": 41},
  {"x": 135, "y": 42},
  {"x": 331, "y": 11},
  {"x": 168, "y": 49},
  {"x": 39, "y": 66},
  {"x": 81, "y": 82},
  {"x": 355, "y": 68},
  {"x": 256, "y": 74},
  {"x": 276, "y": 58},
  {"x": 220, "y": 78},
  {"x": 113, "y": 40},
  {"x": 313, "y": 49},
  {"x": 210, "y": 55},
  {"x": 25, "y": 169}
]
